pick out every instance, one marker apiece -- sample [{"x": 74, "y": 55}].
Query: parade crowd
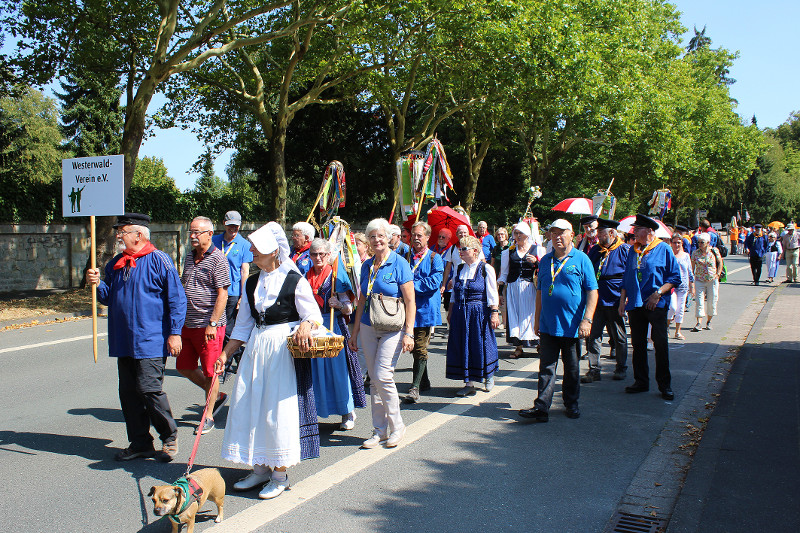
[{"x": 555, "y": 296}]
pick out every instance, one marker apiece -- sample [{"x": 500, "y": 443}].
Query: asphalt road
[{"x": 467, "y": 464}]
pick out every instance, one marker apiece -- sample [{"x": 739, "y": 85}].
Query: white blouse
[
  {"x": 535, "y": 249},
  {"x": 266, "y": 292},
  {"x": 468, "y": 273}
]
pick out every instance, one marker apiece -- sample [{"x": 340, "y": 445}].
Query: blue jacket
[
  {"x": 756, "y": 246},
  {"x": 658, "y": 267},
  {"x": 609, "y": 280},
  {"x": 427, "y": 281},
  {"x": 145, "y": 308}
]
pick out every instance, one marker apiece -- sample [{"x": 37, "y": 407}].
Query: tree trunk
[
  {"x": 475, "y": 158},
  {"x": 279, "y": 183}
]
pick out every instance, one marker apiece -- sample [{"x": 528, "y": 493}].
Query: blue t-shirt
[
  {"x": 658, "y": 267},
  {"x": 488, "y": 243},
  {"x": 394, "y": 272},
  {"x": 562, "y": 311},
  {"x": 237, "y": 252}
]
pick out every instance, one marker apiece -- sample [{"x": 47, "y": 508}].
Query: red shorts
[{"x": 197, "y": 348}]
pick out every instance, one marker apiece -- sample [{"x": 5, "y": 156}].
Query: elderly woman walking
[
  {"x": 677, "y": 303},
  {"x": 473, "y": 317},
  {"x": 272, "y": 420},
  {"x": 518, "y": 265},
  {"x": 385, "y": 274},
  {"x": 338, "y": 385},
  {"x": 774, "y": 251},
  {"x": 707, "y": 268}
]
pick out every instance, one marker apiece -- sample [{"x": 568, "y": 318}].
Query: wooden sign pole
[{"x": 93, "y": 265}]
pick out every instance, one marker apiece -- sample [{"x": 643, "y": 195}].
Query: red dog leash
[{"x": 209, "y": 402}]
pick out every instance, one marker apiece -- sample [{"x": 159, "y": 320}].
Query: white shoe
[
  {"x": 488, "y": 384},
  {"x": 348, "y": 422},
  {"x": 273, "y": 489},
  {"x": 395, "y": 438},
  {"x": 251, "y": 481},
  {"x": 374, "y": 441}
]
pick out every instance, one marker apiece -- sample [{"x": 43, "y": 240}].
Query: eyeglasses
[
  {"x": 443, "y": 237},
  {"x": 198, "y": 232},
  {"x": 121, "y": 233},
  {"x": 317, "y": 254},
  {"x": 467, "y": 249}
]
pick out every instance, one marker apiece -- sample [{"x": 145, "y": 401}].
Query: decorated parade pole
[{"x": 93, "y": 186}]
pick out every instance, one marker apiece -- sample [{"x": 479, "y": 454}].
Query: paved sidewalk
[{"x": 744, "y": 476}]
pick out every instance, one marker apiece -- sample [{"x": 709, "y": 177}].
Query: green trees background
[{"x": 564, "y": 95}]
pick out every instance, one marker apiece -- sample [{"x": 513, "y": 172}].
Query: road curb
[{"x": 657, "y": 484}]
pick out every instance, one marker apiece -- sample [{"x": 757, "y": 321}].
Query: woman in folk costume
[
  {"x": 518, "y": 265},
  {"x": 774, "y": 251},
  {"x": 473, "y": 316},
  {"x": 338, "y": 385},
  {"x": 272, "y": 420}
]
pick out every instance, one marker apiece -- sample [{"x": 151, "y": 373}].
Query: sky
[{"x": 767, "y": 72}]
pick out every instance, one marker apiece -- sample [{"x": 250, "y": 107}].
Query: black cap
[
  {"x": 645, "y": 221},
  {"x": 132, "y": 219},
  {"x": 681, "y": 228},
  {"x": 588, "y": 219},
  {"x": 757, "y": 226},
  {"x": 603, "y": 223}
]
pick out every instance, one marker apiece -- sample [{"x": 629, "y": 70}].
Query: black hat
[
  {"x": 132, "y": 219},
  {"x": 588, "y": 219},
  {"x": 757, "y": 226},
  {"x": 645, "y": 221},
  {"x": 603, "y": 223},
  {"x": 681, "y": 228}
]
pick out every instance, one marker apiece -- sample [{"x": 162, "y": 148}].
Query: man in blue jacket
[
  {"x": 650, "y": 274},
  {"x": 146, "y": 310},
  {"x": 427, "y": 268},
  {"x": 756, "y": 245}
]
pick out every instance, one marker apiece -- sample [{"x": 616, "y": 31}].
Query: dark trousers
[
  {"x": 422, "y": 337},
  {"x": 230, "y": 316},
  {"x": 755, "y": 268},
  {"x": 144, "y": 402},
  {"x": 607, "y": 316},
  {"x": 639, "y": 319},
  {"x": 550, "y": 348}
]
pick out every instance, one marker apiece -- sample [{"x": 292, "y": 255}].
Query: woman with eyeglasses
[
  {"x": 473, "y": 317},
  {"x": 518, "y": 266},
  {"x": 677, "y": 304},
  {"x": 388, "y": 274},
  {"x": 338, "y": 387}
]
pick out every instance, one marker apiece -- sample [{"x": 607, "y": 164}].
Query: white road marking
[
  {"x": 738, "y": 269},
  {"x": 49, "y": 343},
  {"x": 262, "y": 513}
]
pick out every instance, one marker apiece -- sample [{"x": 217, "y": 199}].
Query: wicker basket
[{"x": 328, "y": 346}]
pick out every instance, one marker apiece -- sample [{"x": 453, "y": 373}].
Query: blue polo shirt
[
  {"x": 237, "y": 252},
  {"x": 392, "y": 273},
  {"x": 428, "y": 273},
  {"x": 658, "y": 267},
  {"x": 488, "y": 243},
  {"x": 562, "y": 311},
  {"x": 609, "y": 282}
]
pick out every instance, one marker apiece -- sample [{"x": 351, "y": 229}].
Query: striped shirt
[{"x": 201, "y": 281}]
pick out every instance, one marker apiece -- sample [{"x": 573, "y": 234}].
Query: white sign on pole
[
  {"x": 716, "y": 225},
  {"x": 703, "y": 213},
  {"x": 93, "y": 186}
]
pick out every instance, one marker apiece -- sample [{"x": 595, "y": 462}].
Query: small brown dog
[{"x": 181, "y": 501}]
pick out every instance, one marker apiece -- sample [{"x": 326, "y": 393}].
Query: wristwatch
[
  {"x": 589, "y": 320},
  {"x": 213, "y": 324}
]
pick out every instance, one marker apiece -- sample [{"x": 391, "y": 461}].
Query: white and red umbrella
[
  {"x": 579, "y": 206},
  {"x": 626, "y": 224}
]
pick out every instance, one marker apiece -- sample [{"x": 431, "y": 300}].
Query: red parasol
[
  {"x": 446, "y": 217},
  {"x": 580, "y": 206}
]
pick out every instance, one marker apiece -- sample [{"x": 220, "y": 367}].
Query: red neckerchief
[
  {"x": 316, "y": 281},
  {"x": 418, "y": 256},
  {"x": 129, "y": 258},
  {"x": 440, "y": 249},
  {"x": 296, "y": 255}
]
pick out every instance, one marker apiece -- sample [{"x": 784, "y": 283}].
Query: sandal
[
  {"x": 696, "y": 329},
  {"x": 517, "y": 353},
  {"x": 680, "y": 337}
]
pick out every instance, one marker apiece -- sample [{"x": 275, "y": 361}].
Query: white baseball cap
[{"x": 562, "y": 224}]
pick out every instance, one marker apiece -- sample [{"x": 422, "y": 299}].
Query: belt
[{"x": 614, "y": 276}]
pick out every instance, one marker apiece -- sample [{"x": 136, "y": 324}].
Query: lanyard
[
  {"x": 229, "y": 247},
  {"x": 372, "y": 276},
  {"x": 414, "y": 269},
  {"x": 640, "y": 255},
  {"x": 555, "y": 273}
]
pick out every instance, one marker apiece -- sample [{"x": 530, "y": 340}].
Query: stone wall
[{"x": 36, "y": 256}]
